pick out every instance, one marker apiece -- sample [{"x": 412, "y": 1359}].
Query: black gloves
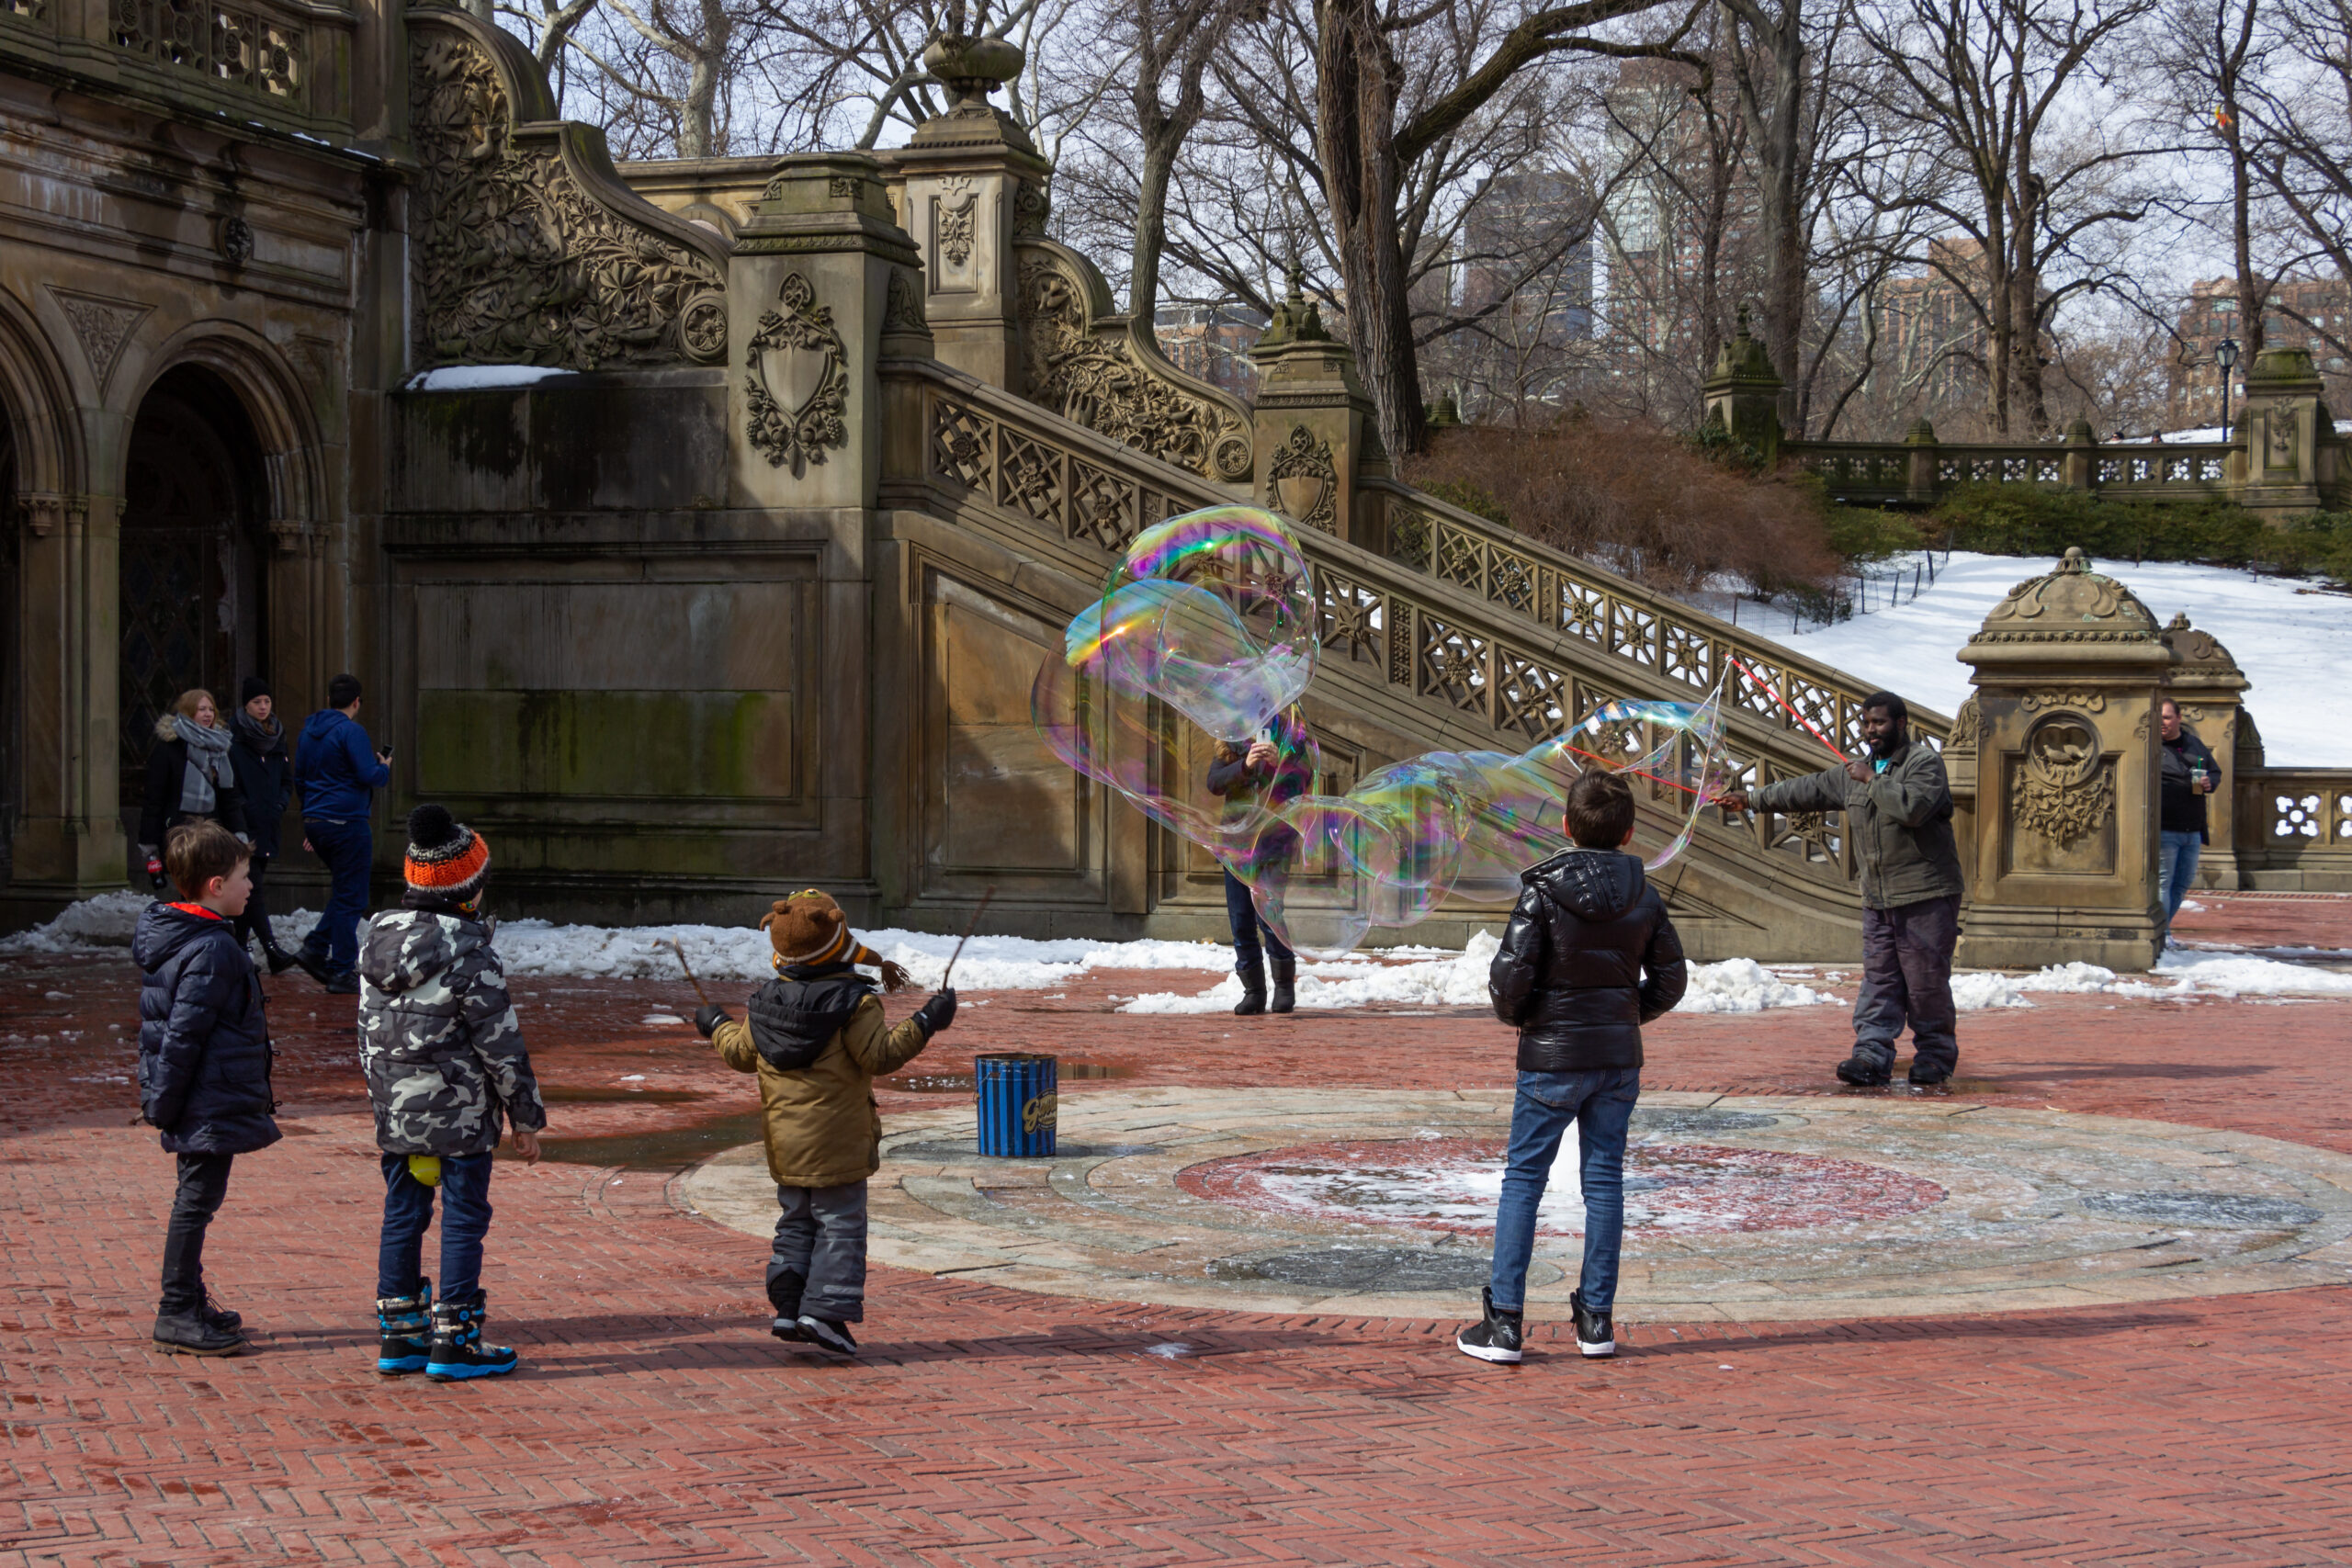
[
  {"x": 709, "y": 1019},
  {"x": 937, "y": 1013}
]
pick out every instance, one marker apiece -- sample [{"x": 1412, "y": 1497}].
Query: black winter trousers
[
  {"x": 1907, "y": 975},
  {"x": 254, "y": 921},
  {"x": 204, "y": 1182}
]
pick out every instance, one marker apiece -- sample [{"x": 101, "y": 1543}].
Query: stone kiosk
[{"x": 2063, "y": 733}]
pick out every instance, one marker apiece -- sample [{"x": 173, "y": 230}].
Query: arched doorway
[{"x": 192, "y": 612}]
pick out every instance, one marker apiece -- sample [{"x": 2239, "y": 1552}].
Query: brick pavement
[{"x": 655, "y": 1421}]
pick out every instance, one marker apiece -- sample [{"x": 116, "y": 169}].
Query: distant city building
[
  {"x": 2321, "y": 321},
  {"x": 1211, "y": 343},
  {"x": 1930, "y": 339},
  {"x": 1552, "y": 302}
]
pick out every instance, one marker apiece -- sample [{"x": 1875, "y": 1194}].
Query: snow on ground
[
  {"x": 2292, "y": 639},
  {"x": 1406, "y": 976},
  {"x": 480, "y": 378}
]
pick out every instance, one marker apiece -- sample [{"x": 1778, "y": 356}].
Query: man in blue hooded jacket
[{"x": 336, "y": 774}]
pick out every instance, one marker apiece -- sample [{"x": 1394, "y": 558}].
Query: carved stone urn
[
  {"x": 972, "y": 67},
  {"x": 2064, "y": 733}
]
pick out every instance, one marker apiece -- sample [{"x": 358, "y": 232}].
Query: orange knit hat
[{"x": 444, "y": 858}]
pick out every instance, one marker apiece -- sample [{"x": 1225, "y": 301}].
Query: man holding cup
[{"x": 2187, "y": 773}]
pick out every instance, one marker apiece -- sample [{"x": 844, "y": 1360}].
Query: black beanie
[{"x": 255, "y": 687}]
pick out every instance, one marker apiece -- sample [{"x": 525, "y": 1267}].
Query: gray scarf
[{"x": 208, "y": 764}]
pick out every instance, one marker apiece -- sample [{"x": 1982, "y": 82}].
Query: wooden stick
[
  {"x": 690, "y": 972},
  {"x": 986, "y": 895}
]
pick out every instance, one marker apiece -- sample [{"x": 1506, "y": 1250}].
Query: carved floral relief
[
  {"x": 795, "y": 379},
  {"x": 515, "y": 262},
  {"x": 2064, "y": 789},
  {"x": 1305, "y": 482}
]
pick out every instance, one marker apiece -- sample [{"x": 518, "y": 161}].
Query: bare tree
[{"x": 2008, "y": 93}]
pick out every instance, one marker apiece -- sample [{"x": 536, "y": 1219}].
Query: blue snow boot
[
  {"x": 406, "y": 1325},
  {"x": 457, "y": 1350}
]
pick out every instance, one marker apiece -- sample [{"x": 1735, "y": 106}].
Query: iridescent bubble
[{"x": 1178, "y": 689}]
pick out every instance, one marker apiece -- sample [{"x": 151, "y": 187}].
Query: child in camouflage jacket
[{"x": 445, "y": 1062}]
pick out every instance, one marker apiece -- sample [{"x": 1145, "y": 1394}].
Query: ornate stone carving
[
  {"x": 516, "y": 259},
  {"x": 101, "y": 327},
  {"x": 2073, "y": 603},
  {"x": 2090, "y": 702},
  {"x": 1098, "y": 381},
  {"x": 236, "y": 240},
  {"x": 956, "y": 223},
  {"x": 1303, "y": 480},
  {"x": 797, "y": 379},
  {"x": 840, "y": 186},
  {"x": 1967, "y": 728},
  {"x": 702, "y": 328},
  {"x": 902, "y": 306},
  {"x": 2064, "y": 789},
  {"x": 1032, "y": 205}
]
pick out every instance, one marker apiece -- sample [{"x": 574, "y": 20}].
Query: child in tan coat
[{"x": 817, "y": 1039}]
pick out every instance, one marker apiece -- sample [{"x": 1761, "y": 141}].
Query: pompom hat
[
  {"x": 445, "y": 858},
  {"x": 811, "y": 929}
]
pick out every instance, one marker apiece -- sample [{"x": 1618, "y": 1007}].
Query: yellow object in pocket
[{"x": 425, "y": 1168}]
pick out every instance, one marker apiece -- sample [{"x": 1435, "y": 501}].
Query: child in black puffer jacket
[{"x": 204, "y": 1061}]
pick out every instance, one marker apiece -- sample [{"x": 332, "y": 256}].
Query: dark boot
[
  {"x": 405, "y": 1326},
  {"x": 190, "y": 1334},
  {"x": 829, "y": 1332},
  {"x": 783, "y": 1295},
  {"x": 457, "y": 1350},
  {"x": 276, "y": 957},
  {"x": 341, "y": 983},
  {"x": 1254, "y": 989},
  {"x": 1864, "y": 1070},
  {"x": 312, "y": 962},
  {"x": 218, "y": 1316},
  {"x": 1286, "y": 985}
]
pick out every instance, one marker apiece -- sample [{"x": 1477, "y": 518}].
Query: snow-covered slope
[{"x": 2293, "y": 640}]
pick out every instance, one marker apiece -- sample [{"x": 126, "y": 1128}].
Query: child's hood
[
  {"x": 406, "y": 950},
  {"x": 1596, "y": 884},
  {"x": 163, "y": 930}
]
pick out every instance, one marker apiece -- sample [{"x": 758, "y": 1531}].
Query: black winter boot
[
  {"x": 1254, "y": 989},
  {"x": 276, "y": 957},
  {"x": 190, "y": 1333},
  {"x": 218, "y": 1316},
  {"x": 1495, "y": 1336},
  {"x": 783, "y": 1295},
  {"x": 404, "y": 1326},
  {"x": 457, "y": 1350},
  {"x": 1286, "y": 985},
  {"x": 1863, "y": 1071}
]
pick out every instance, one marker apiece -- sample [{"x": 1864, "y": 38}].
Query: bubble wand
[
  {"x": 985, "y": 893},
  {"x": 672, "y": 945}
]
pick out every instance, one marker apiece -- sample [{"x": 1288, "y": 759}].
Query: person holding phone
[
  {"x": 1267, "y": 771},
  {"x": 336, "y": 775},
  {"x": 2187, "y": 774}
]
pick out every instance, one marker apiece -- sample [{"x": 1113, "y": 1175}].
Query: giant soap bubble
[{"x": 1178, "y": 689}]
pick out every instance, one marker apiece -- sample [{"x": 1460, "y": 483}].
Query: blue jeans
[
  {"x": 1241, "y": 914},
  {"x": 408, "y": 1208},
  {"x": 1601, "y": 1105},
  {"x": 349, "y": 849},
  {"x": 2176, "y": 871}
]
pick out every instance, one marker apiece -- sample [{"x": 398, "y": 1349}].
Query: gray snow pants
[
  {"x": 820, "y": 1243},
  {"x": 1906, "y": 974}
]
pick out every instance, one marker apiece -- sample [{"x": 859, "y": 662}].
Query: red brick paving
[{"x": 656, "y": 1422}]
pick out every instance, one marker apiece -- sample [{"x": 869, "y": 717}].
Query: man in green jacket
[{"x": 1898, "y": 808}]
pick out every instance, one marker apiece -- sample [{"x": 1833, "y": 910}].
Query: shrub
[
  {"x": 1652, "y": 504},
  {"x": 2025, "y": 520}
]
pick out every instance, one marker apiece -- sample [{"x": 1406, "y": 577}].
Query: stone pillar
[
  {"x": 821, "y": 272},
  {"x": 2080, "y": 464},
  {"x": 972, "y": 177},
  {"x": 1315, "y": 431},
  {"x": 68, "y": 843},
  {"x": 2286, "y": 424},
  {"x": 1743, "y": 392},
  {"x": 2210, "y": 687},
  {"x": 1919, "y": 480},
  {"x": 2063, "y": 865}
]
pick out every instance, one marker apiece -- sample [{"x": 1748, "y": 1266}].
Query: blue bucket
[{"x": 1019, "y": 1096}]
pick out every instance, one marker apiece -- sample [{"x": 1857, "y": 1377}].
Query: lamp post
[{"x": 2226, "y": 353}]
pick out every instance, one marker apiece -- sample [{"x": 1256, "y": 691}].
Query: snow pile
[
  {"x": 1742, "y": 985},
  {"x": 2289, "y": 637},
  {"x": 2234, "y": 975},
  {"x": 106, "y": 921},
  {"x": 480, "y": 378},
  {"x": 742, "y": 952}
]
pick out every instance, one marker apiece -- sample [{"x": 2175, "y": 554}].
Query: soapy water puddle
[
  {"x": 1454, "y": 1184},
  {"x": 963, "y": 1083}
]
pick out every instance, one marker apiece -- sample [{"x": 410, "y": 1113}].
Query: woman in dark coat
[
  {"x": 190, "y": 776},
  {"x": 265, "y": 779}
]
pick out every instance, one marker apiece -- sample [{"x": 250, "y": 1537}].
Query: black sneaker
[
  {"x": 345, "y": 983},
  {"x": 1495, "y": 1338},
  {"x": 832, "y": 1335},
  {"x": 186, "y": 1334},
  {"x": 1596, "y": 1335},
  {"x": 1862, "y": 1073},
  {"x": 314, "y": 963}
]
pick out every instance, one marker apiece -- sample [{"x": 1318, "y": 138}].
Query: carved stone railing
[
  {"x": 1865, "y": 473},
  {"x": 287, "y": 65},
  {"x": 1472, "y": 640},
  {"x": 526, "y": 247},
  {"x": 1083, "y": 360},
  {"x": 2297, "y": 820}
]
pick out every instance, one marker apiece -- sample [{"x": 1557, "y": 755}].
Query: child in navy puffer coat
[{"x": 204, "y": 1062}]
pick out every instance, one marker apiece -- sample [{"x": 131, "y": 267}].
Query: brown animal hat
[{"x": 809, "y": 928}]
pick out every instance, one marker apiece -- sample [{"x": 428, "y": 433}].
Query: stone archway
[
  {"x": 12, "y": 673},
  {"x": 193, "y": 545}
]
